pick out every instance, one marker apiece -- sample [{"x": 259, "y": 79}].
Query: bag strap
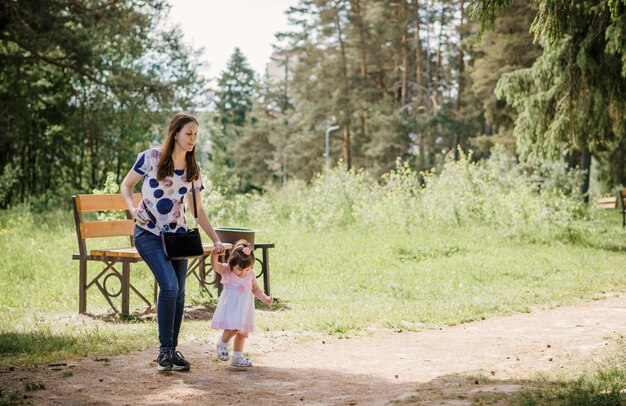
[{"x": 195, "y": 209}]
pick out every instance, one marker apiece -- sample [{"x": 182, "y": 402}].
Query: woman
[{"x": 167, "y": 174}]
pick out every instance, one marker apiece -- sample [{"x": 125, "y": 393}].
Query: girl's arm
[
  {"x": 203, "y": 221},
  {"x": 126, "y": 188},
  {"x": 215, "y": 263},
  {"x": 256, "y": 291}
]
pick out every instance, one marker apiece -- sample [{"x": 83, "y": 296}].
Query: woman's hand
[
  {"x": 137, "y": 214},
  {"x": 218, "y": 247}
]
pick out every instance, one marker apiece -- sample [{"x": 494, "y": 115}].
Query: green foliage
[
  {"x": 507, "y": 48},
  {"x": 604, "y": 386},
  {"x": 572, "y": 98},
  {"x": 32, "y": 385},
  {"x": 233, "y": 102},
  {"x": 524, "y": 201},
  {"x": 111, "y": 186},
  {"x": 13, "y": 398},
  {"x": 10, "y": 177},
  {"x": 233, "y": 98},
  {"x": 82, "y": 88}
]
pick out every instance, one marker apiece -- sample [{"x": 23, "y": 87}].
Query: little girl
[{"x": 235, "y": 308}]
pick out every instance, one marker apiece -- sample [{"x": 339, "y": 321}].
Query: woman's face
[{"x": 187, "y": 137}]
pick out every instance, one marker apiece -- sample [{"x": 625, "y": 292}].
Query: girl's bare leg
[
  {"x": 227, "y": 335},
  {"x": 239, "y": 342}
]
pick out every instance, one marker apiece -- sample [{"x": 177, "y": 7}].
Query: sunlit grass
[{"x": 351, "y": 255}]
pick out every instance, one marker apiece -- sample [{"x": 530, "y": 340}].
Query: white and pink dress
[{"x": 235, "y": 308}]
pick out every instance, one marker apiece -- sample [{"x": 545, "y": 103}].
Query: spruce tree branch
[{"x": 54, "y": 61}]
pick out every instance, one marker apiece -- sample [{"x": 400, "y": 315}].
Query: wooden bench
[
  {"x": 606, "y": 202},
  {"x": 622, "y": 199},
  {"x": 112, "y": 258},
  {"x": 612, "y": 202}
]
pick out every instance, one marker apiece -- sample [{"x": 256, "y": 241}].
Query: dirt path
[{"x": 428, "y": 367}]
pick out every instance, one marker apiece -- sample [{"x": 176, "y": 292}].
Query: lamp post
[{"x": 327, "y": 152}]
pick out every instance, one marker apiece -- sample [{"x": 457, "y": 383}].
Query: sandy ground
[{"x": 443, "y": 366}]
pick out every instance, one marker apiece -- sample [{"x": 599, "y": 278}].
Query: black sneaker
[
  {"x": 165, "y": 360},
  {"x": 180, "y": 363}
]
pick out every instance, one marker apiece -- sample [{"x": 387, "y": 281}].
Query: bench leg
[
  {"x": 125, "y": 288},
  {"x": 82, "y": 286},
  {"x": 266, "y": 271}
]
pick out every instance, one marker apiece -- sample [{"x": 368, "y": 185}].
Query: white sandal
[
  {"x": 241, "y": 362},
  {"x": 223, "y": 351}
]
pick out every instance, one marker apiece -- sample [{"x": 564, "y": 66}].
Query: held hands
[{"x": 218, "y": 247}]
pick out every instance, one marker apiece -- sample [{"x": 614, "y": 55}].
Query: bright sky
[{"x": 221, "y": 25}]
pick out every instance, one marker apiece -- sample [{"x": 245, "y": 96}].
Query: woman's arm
[
  {"x": 256, "y": 291},
  {"x": 126, "y": 188},
  {"x": 203, "y": 221}
]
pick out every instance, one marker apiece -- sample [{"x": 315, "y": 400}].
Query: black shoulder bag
[{"x": 184, "y": 245}]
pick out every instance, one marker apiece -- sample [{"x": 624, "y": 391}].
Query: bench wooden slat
[
  {"x": 606, "y": 202},
  {"x": 131, "y": 252},
  {"x": 113, "y": 228},
  {"x": 91, "y": 203}
]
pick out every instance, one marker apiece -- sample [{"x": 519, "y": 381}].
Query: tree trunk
[
  {"x": 345, "y": 107},
  {"x": 418, "y": 53},
  {"x": 360, "y": 26},
  {"x": 461, "y": 67},
  {"x": 429, "y": 88},
  {"x": 438, "y": 65},
  {"x": 405, "y": 53},
  {"x": 585, "y": 166},
  {"x": 346, "y": 146}
]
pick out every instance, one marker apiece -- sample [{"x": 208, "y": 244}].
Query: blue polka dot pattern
[
  {"x": 139, "y": 164},
  {"x": 163, "y": 200},
  {"x": 164, "y": 206}
]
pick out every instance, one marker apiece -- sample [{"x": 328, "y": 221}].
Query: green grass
[
  {"x": 335, "y": 281},
  {"x": 603, "y": 386}
]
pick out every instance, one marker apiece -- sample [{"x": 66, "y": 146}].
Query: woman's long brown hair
[{"x": 166, "y": 163}]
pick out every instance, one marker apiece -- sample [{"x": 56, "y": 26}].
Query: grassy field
[
  {"x": 336, "y": 281},
  {"x": 350, "y": 256}
]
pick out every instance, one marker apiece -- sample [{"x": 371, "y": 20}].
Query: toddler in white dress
[{"x": 235, "y": 309}]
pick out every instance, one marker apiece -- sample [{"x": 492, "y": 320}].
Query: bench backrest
[
  {"x": 606, "y": 202},
  {"x": 105, "y": 228},
  {"x": 622, "y": 197}
]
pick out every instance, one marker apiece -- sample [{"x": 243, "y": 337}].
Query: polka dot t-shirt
[{"x": 163, "y": 201}]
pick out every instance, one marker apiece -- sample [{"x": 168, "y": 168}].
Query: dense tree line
[
  {"x": 83, "y": 85},
  {"x": 417, "y": 79}
]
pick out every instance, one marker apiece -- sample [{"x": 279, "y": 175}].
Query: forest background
[{"x": 86, "y": 85}]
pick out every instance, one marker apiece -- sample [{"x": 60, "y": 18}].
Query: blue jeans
[{"x": 171, "y": 276}]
